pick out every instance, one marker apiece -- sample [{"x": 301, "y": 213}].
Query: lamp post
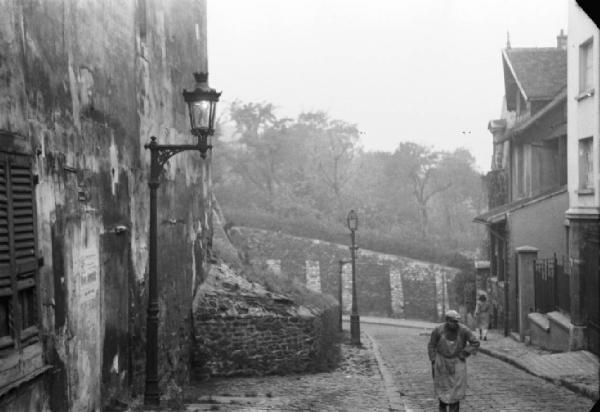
[
  {"x": 201, "y": 103},
  {"x": 352, "y": 221},
  {"x": 340, "y": 289}
]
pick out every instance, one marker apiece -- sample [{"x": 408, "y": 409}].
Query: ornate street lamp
[
  {"x": 352, "y": 221},
  {"x": 201, "y": 105}
]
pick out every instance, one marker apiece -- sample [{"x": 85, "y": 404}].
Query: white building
[{"x": 583, "y": 148}]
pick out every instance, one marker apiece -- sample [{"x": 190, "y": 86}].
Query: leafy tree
[
  {"x": 417, "y": 166},
  {"x": 455, "y": 208},
  {"x": 304, "y": 174},
  {"x": 262, "y": 138},
  {"x": 332, "y": 148}
]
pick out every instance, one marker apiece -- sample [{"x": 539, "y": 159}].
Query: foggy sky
[{"x": 420, "y": 70}]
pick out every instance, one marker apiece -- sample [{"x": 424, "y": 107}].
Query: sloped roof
[
  {"x": 539, "y": 72},
  {"x": 498, "y": 214},
  {"x": 561, "y": 97}
]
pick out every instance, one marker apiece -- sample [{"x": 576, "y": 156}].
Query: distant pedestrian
[
  {"x": 482, "y": 316},
  {"x": 449, "y": 346}
]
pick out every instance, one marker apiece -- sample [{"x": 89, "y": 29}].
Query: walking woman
[
  {"x": 449, "y": 346},
  {"x": 482, "y": 315}
]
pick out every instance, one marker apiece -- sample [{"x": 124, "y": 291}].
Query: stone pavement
[
  {"x": 389, "y": 374},
  {"x": 577, "y": 370},
  {"x": 356, "y": 385}
]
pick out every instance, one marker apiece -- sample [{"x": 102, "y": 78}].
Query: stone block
[{"x": 577, "y": 337}]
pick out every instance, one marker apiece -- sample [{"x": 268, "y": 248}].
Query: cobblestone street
[
  {"x": 492, "y": 384},
  {"x": 356, "y": 385}
]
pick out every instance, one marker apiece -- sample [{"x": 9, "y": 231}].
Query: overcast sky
[{"x": 420, "y": 70}]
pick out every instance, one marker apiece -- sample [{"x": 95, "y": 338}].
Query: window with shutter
[{"x": 18, "y": 264}]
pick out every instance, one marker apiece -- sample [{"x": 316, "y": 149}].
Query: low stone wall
[
  {"x": 387, "y": 285},
  {"x": 241, "y": 329},
  {"x": 550, "y": 331}
]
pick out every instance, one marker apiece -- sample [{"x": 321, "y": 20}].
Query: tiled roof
[{"x": 541, "y": 71}]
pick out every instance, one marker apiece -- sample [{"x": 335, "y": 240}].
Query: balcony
[{"x": 497, "y": 188}]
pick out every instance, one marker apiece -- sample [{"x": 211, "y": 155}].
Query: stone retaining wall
[
  {"x": 387, "y": 285},
  {"x": 240, "y": 329}
]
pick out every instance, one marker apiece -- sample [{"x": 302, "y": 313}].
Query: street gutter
[{"x": 395, "y": 400}]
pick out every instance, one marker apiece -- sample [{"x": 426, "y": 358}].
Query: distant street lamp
[
  {"x": 201, "y": 103},
  {"x": 352, "y": 221},
  {"x": 340, "y": 289}
]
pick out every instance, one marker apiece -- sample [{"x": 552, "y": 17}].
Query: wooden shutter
[
  {"x": 6, "y": 292},
  {"x": 18, "y": 257}
]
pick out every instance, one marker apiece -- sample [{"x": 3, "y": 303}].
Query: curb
[
  {"x": 396, "y": 404},
  {"x": 398, "y": 325},
  {"x": 575, "y": 387}
]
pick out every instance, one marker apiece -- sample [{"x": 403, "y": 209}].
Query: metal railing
[{"x": 551, "y": 285}]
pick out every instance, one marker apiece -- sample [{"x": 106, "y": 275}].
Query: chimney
[{"x": 561, "y": 40}]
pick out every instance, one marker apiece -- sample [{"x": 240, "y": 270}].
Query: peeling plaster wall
[
  {"x": 87, "y": 84},
  {"x": 347, "y": 288},
  {"x": 397, "y": 291},
  {"x": 313, "y": 275}
]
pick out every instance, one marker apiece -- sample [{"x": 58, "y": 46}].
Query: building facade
[
  {"x": 584, "y": 175},
  {"x": 544, "y": 203},
  {"x": 527, "y": 182},
  {"x": 83, "y": 86}
]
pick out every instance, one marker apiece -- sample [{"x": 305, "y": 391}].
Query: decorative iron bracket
[
  {"x": 160, "y": 154},
  {"x": 164, "y": 154}
]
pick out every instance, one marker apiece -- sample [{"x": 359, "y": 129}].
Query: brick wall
[{"x": 241, "y": 329}]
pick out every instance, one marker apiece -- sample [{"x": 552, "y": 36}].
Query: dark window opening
[
  {"x": 498, "y": 251},
  {"x": 19, "y": 314},
  {"x": 549, "y": 158}
]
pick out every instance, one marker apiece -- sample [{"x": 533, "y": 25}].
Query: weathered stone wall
[
  {"x": 33, "y": 398},
  {"x": 241, "y": 329},
  {"x": 83, "y": 86},
  {"x": 387, "y": 285}
]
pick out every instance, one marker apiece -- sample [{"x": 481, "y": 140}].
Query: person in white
[
  {"x": 482, "y": 316},
  {"x": 448, "y": 348}
]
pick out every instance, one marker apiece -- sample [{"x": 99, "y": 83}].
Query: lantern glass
[
  {"x": 202, "y": 103},
  {"x": 352, "y": 220},
  {"x": 200, "y": 115}
]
